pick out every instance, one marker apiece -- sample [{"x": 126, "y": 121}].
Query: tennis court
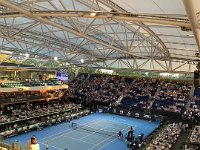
[{"x": 93, "y": 132}]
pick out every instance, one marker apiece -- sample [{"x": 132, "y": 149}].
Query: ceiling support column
[{"x": 192, "y": 7}]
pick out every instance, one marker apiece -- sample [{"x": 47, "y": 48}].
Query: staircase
[
  {"x": 122, "y": 96},
  {"x": 156, "y": 95},
  {"x": 182, "y": 138},
  {"x": 191, "y": 95},
  {"x": 119, "y": 100},
  {"x": 157, "y": 92},
  {"x": 151, "y": 103},
  {"x": 192, "y": 91}
]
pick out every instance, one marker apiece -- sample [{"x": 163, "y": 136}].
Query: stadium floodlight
[
  {"x": 66, "y": 63},
  {"x": 27, "y": 55},
  {"x": 93, "y": 14},
  {"x": 82, "y": 60},
  {"x": 55, "y": 58},
  {"x": 6, "y": 52}
]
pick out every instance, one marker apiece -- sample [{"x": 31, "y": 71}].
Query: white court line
[
  {"x": 59, "y": 135},
  {"x": 113, "y": 123},
  {"x": 86, "y": 135},
  {"x": 51, "y": 146},
  {"x": 89, "y": 134},
  {"x": 92, "y": 122},
  {"x": 65, "y": 131},
  {"x": 120, "y": 123},
  {"x": 99, "y": 129},
  {"x": 100, "y": 142},
  {"x": 105, "y": 140},
  {"x": 111, "y": 126},
  {"x": 95, "y": 132},
  {"x": 79, "y": 140},
  {"x": 110, "y": 141}
]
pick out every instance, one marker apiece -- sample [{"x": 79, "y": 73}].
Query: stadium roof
[{"x": 154, "y": 35}]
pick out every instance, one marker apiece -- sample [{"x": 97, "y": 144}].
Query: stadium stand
[
  {"x": 31, "y": 83},
  {"x": 195, "y": 136},
  {"x": 106, "y": 89},
  {"x": 54, "y": 106},
  {"x": 167, "y": 137},
  {"x": 46, "y": 43},
  {"x": 173, "y": 97},
  {"x": 140, "y": 92},
  {"x": 22, "y": 117}
]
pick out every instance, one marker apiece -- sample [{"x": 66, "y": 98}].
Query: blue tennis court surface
[{"x": 62, "y": 137}]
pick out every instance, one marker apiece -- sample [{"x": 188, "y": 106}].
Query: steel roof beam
[
  {"x": 36, "y": 36},
  {"x": 45, "y": 21},
  {"x": 115, "y": 7},
  {"x": 192, "y": 7},
  {"x": 180, "y": 22}
]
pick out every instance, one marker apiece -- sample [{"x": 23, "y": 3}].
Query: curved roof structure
[{"x": 154, "y": 35}]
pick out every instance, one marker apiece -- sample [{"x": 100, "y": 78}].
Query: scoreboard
[{"x": 62, "y": 75}]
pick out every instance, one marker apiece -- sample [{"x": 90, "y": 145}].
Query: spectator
[{"x": 34, "y": 145}]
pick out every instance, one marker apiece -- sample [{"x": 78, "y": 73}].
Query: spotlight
[
  {"x": 93, "y": 14},
  {"x": 27, "y": 55},
  {"x": 55, "y": 58},
  {"x": 82, "y": 60}
]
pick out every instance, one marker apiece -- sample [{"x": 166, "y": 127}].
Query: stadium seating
[
  {"x": 140, "y": 92},
  {"x": 197, "y": 92},
  {"x": 75, "y": 83},
  {"x": 30, "y": 83},
  {"x": 132, "y": 92},
  {"x": 101, "y": 88},
  {"x": 173, "y": 97},
  {"x": 22, "y": 117},
  {"x": 195, "y": 136},
  {"x": 167, "y": 137}
]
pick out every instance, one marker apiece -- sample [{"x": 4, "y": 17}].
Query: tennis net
[{"x": 95, "y": 130}]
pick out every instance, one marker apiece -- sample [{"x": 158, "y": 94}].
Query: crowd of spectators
[
  {"x": 102, "y": 88},
  {"x": 30, "y": 95},
  {"x": 78, "y": 81},
  {"x": 23, "y": 117},
  {"x": 22, "y": 94},
  {"x": 195, "y": 136},
  {"x": 140, "y": 92},
  {"x": 194, "y": 108},
  {"x": 25, "y": 111},
  {"x": 134, "y": 92},
  {"x": 30, "y": 83},
  {"x": 167, "y": 137},
  {"x": 173, "y": 97}
]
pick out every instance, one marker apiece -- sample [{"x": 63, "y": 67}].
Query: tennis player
[
  {"x": 74, "y": 125},
  {"x": 46, "y": 146},
  {"x": 130, "y": 134},
  {"x": 120, "y": 135}
]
